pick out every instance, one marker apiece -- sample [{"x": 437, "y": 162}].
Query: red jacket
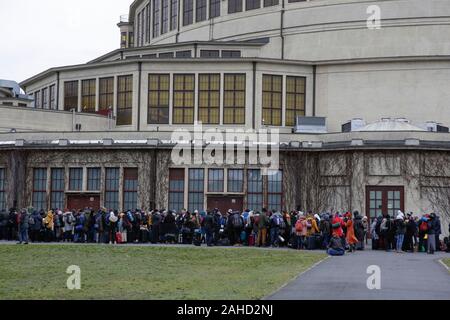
[{"x": 337, "y": 224}]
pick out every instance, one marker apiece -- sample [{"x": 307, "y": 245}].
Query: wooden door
[
  {"x": 226, "y": 203},
  {"x": 384, "y": 200},
  {"x": 79, "y": 201}
]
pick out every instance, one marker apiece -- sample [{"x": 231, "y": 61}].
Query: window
[
  {"x": 156, "y": 5},
  {"x": 2, "y": 189},
  {"x": 148, "y": 22},
  {"x": 200, "y": 13},
  {"x": 254, "y": 190},
  {"x": 295, "y": 99},
  {"x": 252, "y": 4},
  {"x": 275, "y": 191},
  {"x": 184, "y": 54},
  {"x": 176, "y": 189},
  {"x": 188, "y": 12},
  {"x": 166, "y": 55},
  {"x": 40, "y": 189},
  {"x": 93, "y": 179},
  {"x": 139, "y": 28},
  {"x": 76, "y": 179},
  {"x": 130, "y": 188},
  {"x": 209, "y": 54},
  {"x": 231, "y": 54},
  {"x": 272, "y": 100},
  {"x": 184, "y": 98},
  {"x": 209, "y": 98},
  {"x": 234, "y": 99},
  {"x": 106, "y": 93},
  {"x": 158, "y": 98},
  {"x": 88, "y": 94},
  {"x": 45, "y": 104},
  {"x": 124, "y": 100},
  {"x": 174, "y": 14},
  {"x": 165, "y": 16},
  {"x": 53, "y": 97},
  {"x": 57, "y": 189},
  {"x": 234, "y": 6},
  {"x": 196, "y": 189},
  {"x": 131, "y": 34},
  {"x": 269, "y": 3},
  {"x": 112, "y": 188},
  {"x": 215, "y": 180},
  {"x": 290, "y": 1},
  {"x": 37, "y": 100},
  {"x": 214, "y": 8},
  {"x": 70, "y": 95},
  {"x": 150, "y": 56},
  {"x": 123, "y": 40},
  {"x": 236, "y": 180}
]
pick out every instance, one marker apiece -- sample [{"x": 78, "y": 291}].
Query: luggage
[
  {"x": 225, "y": 242},
  {"x": 251, "y": 240},
  {"x": 375, "y": 244},
  {"x": 318, "y": 241},
  {"x": 118, "y": 237},
  {"x": 311, "y": 243},
  {"x": 197, "y": 238},
  {"x": 243, "y": 236},
  {"x": 180, "y": 238}
]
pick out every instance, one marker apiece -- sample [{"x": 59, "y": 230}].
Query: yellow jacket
[{"x": 48, "y": 221}]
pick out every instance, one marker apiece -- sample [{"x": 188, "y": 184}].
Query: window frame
[
  {"x": 88, "y": 95},
  {"x": 40, "y": 188},
  {"x": 176, "y": 175},
  {"x": 214, "y": 8},
  {"x": 235, "y": 6},
  {"x": 112, "y": 191},
  {"x": 127, "y": 94},
  {"x": 289, "y": 109},
  {"x": 57, "y": 188},
  {"x": 272, "y": 93},
  {"x": 184, "y": 92},
  {"x": 159, "y": 107},
  {"x": 201, "y": 10},
  {"x": 252, "y": 193},
  {"x": 231, "y": 180},
  {"x": 200, "y": 192},
  {"x": 188, "y": 12},
  {"x": 234, "y": 91},
  {"x": 97, "y": 179},
  {"x": 277, "y": 193},
  {"x": 216, "y": 179},
  {"x": 130, "y": 174},
  {"x": 209, "y": 92},
  {"x": 106, "y": 93},
  {"x": 2, "y": 189},
  {"x": 71, "y": 95},
  {"x": 76, "y": 179}
]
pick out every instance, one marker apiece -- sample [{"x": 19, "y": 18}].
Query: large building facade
[{"x": 100, "y": 134}]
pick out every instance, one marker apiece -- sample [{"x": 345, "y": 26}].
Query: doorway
[
  {"x": 384, "y": 200},
  {"x": 226, "y": 203}
]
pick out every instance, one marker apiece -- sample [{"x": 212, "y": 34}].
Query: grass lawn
[{"x": 169, "y": 273}]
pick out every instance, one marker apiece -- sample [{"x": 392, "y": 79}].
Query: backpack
[
  {"x": 31, "y": 221},
  {"x": 236, "y": 221},
  {"x": 299, "y": 226},
  {"x": 308, "y": 224},
  {"x": 423, "y": 226},
  {"x": 130, "y": 217}
]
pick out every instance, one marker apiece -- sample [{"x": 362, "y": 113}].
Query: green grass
[
  {"x": 156, "y": 273},
  {"x": 447, "y": 262}
]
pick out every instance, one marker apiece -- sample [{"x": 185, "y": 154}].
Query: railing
[{"x": 124, "y": 18}]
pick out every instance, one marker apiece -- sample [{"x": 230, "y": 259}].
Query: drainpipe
[
  {"x": 282, "y": 29},
  {"x": 139, "y": 96},
  {"x": 254, "y": 96},
  {"x": 314, "y": 89},
  {"x": 57, "y": 90}
]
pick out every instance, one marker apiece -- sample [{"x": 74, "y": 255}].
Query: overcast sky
[{"x": 39, "y": 34}]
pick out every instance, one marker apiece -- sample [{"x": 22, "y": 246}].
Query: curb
[
  {"x": 295, "y": 278},
  {"x": 444, "y": 265}
]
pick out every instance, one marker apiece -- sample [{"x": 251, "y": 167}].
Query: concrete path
[{"x": 403, "y": 276}]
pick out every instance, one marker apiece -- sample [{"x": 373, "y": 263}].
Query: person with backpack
[
  {"x": 400, "y": 231},
  {"x": 311, "y": 230},
  {"x": 23, "y": 225},
  {"x": 262, "y": 228},
  {"x": 80, "y": 234},
  {"x": 156, "y": 224},
  {"x": 98, "y": 226},
  {"x": 209, "y": 227},
  {"x": 236, "y": 226},
  {"x": 359, "y": 230},
  {"x": 431, "y": 232},
  {"x": 57, "y": 220},
  {"x": 275, "y": 226},
  {"x": 35, "y": 223},
  {"x": 325, "y": 229},
  {"x": 387, "y": 230},
  {"x": 350, "y": 235},
  {"x": 423, "y": 230},
  {"x": 374, "y": 234},
  {"x": 49, "y": 226},
  {"x": 300, "y": 231}
]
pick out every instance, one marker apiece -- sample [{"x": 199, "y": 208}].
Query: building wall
[
  {"x": 320, "y": 181},
  {"x": 28, "y": 119}
]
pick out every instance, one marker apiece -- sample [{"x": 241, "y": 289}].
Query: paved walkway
[{"x": 403, "y": 276}]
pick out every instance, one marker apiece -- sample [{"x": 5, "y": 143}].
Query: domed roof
[{"x": 389, "y": 125}]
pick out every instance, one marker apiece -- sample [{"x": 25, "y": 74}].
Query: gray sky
[{"x": 39, "y": 34}]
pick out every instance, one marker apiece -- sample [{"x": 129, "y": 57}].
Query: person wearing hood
[
  {"x": 374, "y": 234},
  {"x": 350, "y": 236},
  {"x": 263, "y": 223},
  {"x": 400, "y": 230},
  {"x": 300, "y": 231},
  {"x": 113, "y": 219},
  {"x": 156, "y": 225},
  {"x": 209, "y": 227},
  {"x": 411, "y": 230},
  {"x": 431, "y": 232},
  {"x": 35, "y": 227},
  {"x": 49, "y": 226},
  {"x": 359, "y": 230},
  {"x": 325, "y": 229}
]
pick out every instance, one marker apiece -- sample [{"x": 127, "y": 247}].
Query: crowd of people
[{"x": 336, "y": 232}]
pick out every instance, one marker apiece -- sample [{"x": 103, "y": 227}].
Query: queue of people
[{"x": 336, "y": 232}]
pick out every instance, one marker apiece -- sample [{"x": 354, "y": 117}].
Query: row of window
[
  {"x": 262, "y": 191},
  {"x": 2, "y": 189},
  {"x": 45, "y": 98},
  {"x": 184, "y": 89},
  {"x": 106, "y": 96},
  {"x": 161, "y": 16},
  {"x": 57, "y": 186},
  {"x": 188, "y": 54}
]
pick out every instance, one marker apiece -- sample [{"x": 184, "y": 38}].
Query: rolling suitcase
[
  {"x": 197, "y": 238},
  {"x": 251, "y": 240},
  {"x": 311, "y": 243},
  {"x": 118, "y": 237}
]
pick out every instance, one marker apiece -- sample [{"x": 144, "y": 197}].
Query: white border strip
[{"x": 445, "y": 266}]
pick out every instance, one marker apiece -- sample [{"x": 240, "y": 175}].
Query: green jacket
[{"x": 263, "y": 221}]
